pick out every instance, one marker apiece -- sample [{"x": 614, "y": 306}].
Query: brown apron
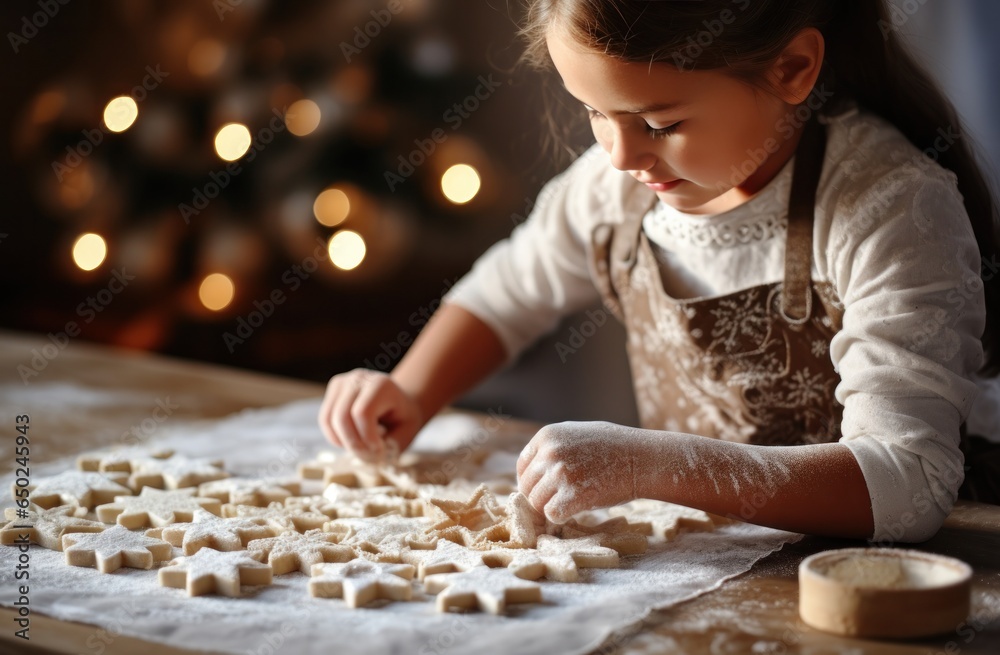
[{"x": 751, "y": 366}]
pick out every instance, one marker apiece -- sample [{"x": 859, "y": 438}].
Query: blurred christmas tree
[{"x": 289, "y": 186}]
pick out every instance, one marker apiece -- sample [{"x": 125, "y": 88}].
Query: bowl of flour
[{"x": 883, "y": 592}]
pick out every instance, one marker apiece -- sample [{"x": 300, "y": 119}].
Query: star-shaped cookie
[
  {"x": 46, "y": 527},
  {"x": 483, "y": 588},
  {"x": 360, "y": 581},
  {"x": 114, "y": 548},
  {"x": 83, "y": 488},
  {"x": 156, "y": 508},
  {"x": 206, "y": 530},
  {"x": 555, "y": 559},
  {"x": 212, "y": 571},
  {"x": 292, "y": 551}
]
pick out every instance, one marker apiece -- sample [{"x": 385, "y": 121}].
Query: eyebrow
[{"x": 648, "y": 109}]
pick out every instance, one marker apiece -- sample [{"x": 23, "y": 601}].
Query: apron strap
[{"x": 796, "y": 296}]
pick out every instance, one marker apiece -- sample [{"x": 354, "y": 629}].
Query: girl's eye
[{"x": 663, "y": 131}]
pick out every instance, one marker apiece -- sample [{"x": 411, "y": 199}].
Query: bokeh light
[
  {"x": 216, "y": 291},
  {"x": 347, "y": 250},
  {"x": 232, "y": 141},
  {"x": 460, "y": 183},
  {"x": 89, "y": 251},
  {"x": 206, "y": 57},
  {"x": 120, "y": 113},
  {"x": 302, "y": 117},
  {"x": 332, "y": 207}
]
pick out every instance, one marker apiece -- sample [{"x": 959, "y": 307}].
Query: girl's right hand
[{"x": 363, "y": 408}]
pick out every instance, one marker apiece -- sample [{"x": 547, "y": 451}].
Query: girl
[{"x": 784, "y": 213}]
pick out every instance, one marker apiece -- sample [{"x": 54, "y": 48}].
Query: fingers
[
  {"x": 343, "y": 422},
  {"x": 325, "y": 416}
]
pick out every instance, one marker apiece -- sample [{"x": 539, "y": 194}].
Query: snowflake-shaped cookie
[
  {"x": 206, "y": 530},
  {"x": 83, "y": 488},
  {"x": 483, "y": 588},
  {"x": 114, "y": 548},
  {"x": 291, "y": 551},
  {"x": 372, "y": 501},
  {"x": 212, "y": 571},
  {"x": 156, "y": 508},
  {"x": 46, "y": 527},
  {"x": 447, "y": 557},
  {"x": 359, "y": 582},
  {"x": 556, "y": 559},
  {"x": 279, "y": 517},
  {"x": 249, "y": 491},
  {"x": 667, "y": 519},
  {"x": 119, "y": 459},
  {"x": 384, "y": 538},
  {"x": 177, "y": 472}
]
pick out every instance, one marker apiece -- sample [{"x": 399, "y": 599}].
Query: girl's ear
[{"x": 795, "y": 71}]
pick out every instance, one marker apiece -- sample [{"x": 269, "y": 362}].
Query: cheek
[{"x": 603, "y": 133}]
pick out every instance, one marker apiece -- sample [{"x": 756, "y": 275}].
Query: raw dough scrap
[
  {"x": 384, "y": 538},
  {"x": 472, "y": 523},
  {"x": 489, "y": 590},
  {"x": 292, "y": 551},
  {"x": 359, "y": 582},
  {"x": 177, "y": 472},
  {"x": 111, "y": 549},
  {"x": 372, "y": 501},
  {"x": 119, "y": 459},
  {"x": 46, "y": 527},
  {"x": 618, "y": 533},
  {"x": 82, "y": 488},
  {"x": 206, "y": 530},
  {"x": 279, "y": 517},
  {"x": 556, "y": 559},
  {"x": 212, "y": 571},
  {"x": 447, "y": 557},
  {"x": 481, "y": 523},
  {"x": 668, "y": 519},
  {"x": 249, "y": 491},
  {"x": 156, "y": 508}
]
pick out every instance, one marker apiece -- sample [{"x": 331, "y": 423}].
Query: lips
[{"x": 663, "y": 186}]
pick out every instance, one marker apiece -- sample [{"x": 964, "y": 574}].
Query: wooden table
[{"x": 754, "y": 613}]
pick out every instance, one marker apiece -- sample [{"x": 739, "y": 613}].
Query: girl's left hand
[{"x": 572, "y": 466}]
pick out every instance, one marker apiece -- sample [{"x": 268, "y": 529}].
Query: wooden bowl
[{"x": 888, "y": 593}]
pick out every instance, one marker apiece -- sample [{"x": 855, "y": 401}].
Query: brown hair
[{"x": 865, "y": 61}]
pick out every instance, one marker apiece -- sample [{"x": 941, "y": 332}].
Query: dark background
[{"x": 398, "y": 89}]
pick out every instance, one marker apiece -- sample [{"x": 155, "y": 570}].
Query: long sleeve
[
  {"x": 906, "y": 265},
  {"x": 523, "y": 285}
]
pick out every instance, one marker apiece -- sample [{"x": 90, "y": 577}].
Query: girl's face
[{"x": 702, "y": 140}]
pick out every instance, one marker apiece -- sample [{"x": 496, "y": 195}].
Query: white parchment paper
[{"x": 283, "y": 618}]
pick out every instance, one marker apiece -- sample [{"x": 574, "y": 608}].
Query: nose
[{"x": 630, "y": 152}]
